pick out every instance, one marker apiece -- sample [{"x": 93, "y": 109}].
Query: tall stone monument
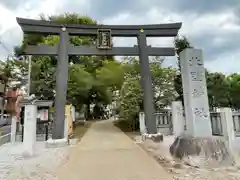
[{"x": 195, "y": 93}]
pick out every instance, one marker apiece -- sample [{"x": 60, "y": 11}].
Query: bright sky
[{"x": 210, "y": 25}]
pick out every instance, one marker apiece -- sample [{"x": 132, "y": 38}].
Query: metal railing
[
  {"x": 164, "y": 121},
  {"x": 216, "y": 122}
]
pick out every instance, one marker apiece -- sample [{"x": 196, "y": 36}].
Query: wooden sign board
[
  {"x": 43, "y": 114},
  {"x": 69, "y": 119}
]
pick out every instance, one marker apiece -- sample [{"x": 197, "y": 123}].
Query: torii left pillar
[{"x": 61, "y": 86}]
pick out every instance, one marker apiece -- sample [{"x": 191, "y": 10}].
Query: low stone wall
[
  {"x": 164, "y": 130},
  {"x": 39, "y": 137},
  {"x": 154, "y": 137},
  {"x": 5, "y": 139}
]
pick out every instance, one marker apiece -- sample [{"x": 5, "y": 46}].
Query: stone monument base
[
  {"x": 202, "y": 151},
  {"x": 56, "y": 143},
  {"x": 154, "y": 137}
]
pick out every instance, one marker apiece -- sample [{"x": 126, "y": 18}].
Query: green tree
[
  {"x": 79, "y": 84},
  {"x": 180, "y": 44},
  {"x": 130, "y": 101},
  {"x": 218, "y": 90},
  {"x": 87, "y": 82},
  {"x": 7, "y": 75},
  {"x": 162, "y": 78},
  {"x": 234, "y": 91},
  {"x": 111, "y": 74},
  {"x": 163, "y": 84}
]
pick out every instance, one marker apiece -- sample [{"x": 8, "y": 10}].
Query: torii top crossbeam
[{"x": 50, "y": 27}]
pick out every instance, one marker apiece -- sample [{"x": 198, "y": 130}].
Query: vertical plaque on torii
[{"x": 104, "y": 39}]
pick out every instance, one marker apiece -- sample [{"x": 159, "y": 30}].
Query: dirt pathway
[{"x": 106, "y": 153}]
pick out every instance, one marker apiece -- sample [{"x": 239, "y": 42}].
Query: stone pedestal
[
  {"x": 195, "y": 93},
  {"x": 227, "y": 125},
  {"x": 30, "y": 121},
  {"x": 202, "y": 151},
  {"x": 13, "y": 129},
  {"x": 154, "y": 137},
  {"x": 56, "y": 143},
  {"x": 177, "y": 118}
]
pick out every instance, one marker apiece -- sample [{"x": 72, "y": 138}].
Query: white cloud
[
  {"x": 8, "y": 21},
  {"x": 219, "y": 26},
  {"x": 46, "y": 7},
  {"x": 11, "y": 33},
  {"x": 227, "y": 64},
  {"x": 193, "y": 24}
]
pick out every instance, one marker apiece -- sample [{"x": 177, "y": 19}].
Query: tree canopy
[
  {"x": 91, "y": 78},
  {"x": 99, "y": 81}
]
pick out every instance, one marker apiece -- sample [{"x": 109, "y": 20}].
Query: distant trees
[
  {"x": 91, "y": 79},
  {"x": 95, "y": 80},
  {"x": 130, "y": 101},
  {"x": 223, "y": 91}
]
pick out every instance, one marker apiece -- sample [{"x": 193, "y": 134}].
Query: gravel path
[
  {"x": 106, "y": 153},
  {"x": 180, "y": 171},
  {"x": 14, "y": 165}
]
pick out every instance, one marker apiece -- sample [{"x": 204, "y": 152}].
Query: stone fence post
[
  {"x": 177, "y": 118},
  {"x": 29, "y": 135},
  {"x": 13, "y": 129},
  {"x": 142, "y": 124},
  {"x": 227, "y": 125}
]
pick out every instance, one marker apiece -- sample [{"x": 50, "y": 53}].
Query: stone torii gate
[{"x": 103, "y": 48}]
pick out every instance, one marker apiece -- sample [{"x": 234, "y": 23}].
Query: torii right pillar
[{"x": 195, "y": 93}]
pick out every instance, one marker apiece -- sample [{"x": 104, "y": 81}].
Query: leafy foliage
[
  {"x": 87, "y": 82},
  {"x": 234, "y": 90},
  {"x": 218, "y": 90},
  {"x": 98, "y": 81},
  {"x": 130, "y": 101},
  {"x": 180, "y": 44},
  {"x": 111, "y": 74}
]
